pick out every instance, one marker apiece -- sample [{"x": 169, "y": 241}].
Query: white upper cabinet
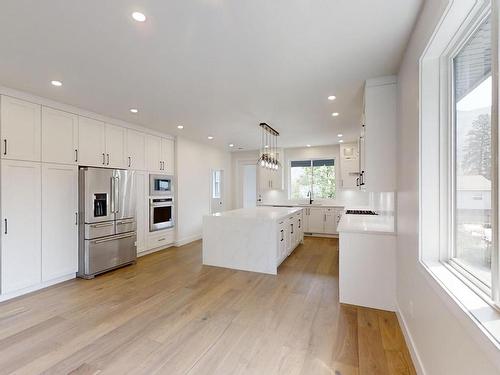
[
  {"x": 60, "y": 220},
  {"x": 154, "y": 153},
  {"x": 20, "y": 129},
  {"x": 167, "y": 152},
  {"x": 378, "y": 146},
  {"x": 115, "y": 146},
  {"x": 91, "y": 142},
  {"x": 136, "y": 150},
  {"x": 349, "y": 166},
  {"x": 21, "y": 225},
  {"x": 59, "y": 136}
]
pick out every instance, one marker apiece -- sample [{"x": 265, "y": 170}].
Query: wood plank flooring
[{"x": 168, "y": 314}]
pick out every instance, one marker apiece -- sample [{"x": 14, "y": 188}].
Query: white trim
[
  {"x": 410, "y": 343},
  {"x": 154, "y": 250},
  {"x": 34, "y": 288},
  {"x": 187, "y": 240}
]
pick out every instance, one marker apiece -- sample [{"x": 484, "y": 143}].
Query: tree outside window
[{"x": 315, "y": 176}]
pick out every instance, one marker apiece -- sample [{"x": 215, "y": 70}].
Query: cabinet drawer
[{"x": 159, "y": 239}]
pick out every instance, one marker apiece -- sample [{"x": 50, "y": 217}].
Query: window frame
[
  {"x": 450, "y": 124},
  {"x": 311, "y": 160}
]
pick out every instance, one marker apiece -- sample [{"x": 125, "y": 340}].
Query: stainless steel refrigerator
[{"x": 107, "y": 225}]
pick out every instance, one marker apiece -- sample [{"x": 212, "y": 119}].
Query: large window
[
  {"x": 315, "y": 178},
  {"x": 471, "y": 193}
]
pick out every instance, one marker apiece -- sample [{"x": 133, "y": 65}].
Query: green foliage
[{"x": 321, "y": 178}]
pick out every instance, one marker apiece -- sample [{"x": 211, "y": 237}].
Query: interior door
[
  {"x": 217, "y": 191},
  {"x": 248, "y": 185},
  {"x": 60, "y": 220},
  {"x": 21, "y": 225}
]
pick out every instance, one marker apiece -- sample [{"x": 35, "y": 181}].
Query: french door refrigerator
[{"x": 107, "y": 225}]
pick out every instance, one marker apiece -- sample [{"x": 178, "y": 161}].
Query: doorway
[{"x": 247, "y": 184}]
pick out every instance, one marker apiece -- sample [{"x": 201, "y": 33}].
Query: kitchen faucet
[{"x": 310, "y": 197}]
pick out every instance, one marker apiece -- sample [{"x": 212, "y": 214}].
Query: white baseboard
[
  {"x": 185, "y": 241},
  {"x": 150, "y": 251},
  {"x": 34, "y": 288},
  {"x": 417, "y": 362}
]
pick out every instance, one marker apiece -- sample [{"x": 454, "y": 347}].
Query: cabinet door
[
  {"x": 142, "y": 209},
  {"x": 136, "y": 150},
  {"x": 21, "y": 221},
  {"x": 59, "y": 136},
  {"x": 263, "y": 178},
  {"x": 115, "y": 146},
  {"x": 91, "y": 147},
  {"x": 281, "y": 242},
  {"x": 330, "y": 221},
  {"x": 316, "y": 220},
  {"x": 20, "y": 129},
  {"x": 167, "y": 152},
  {"x": 305, "y": 217},
  {"x": 277, "y": 179},
  {"x": 60, "y": 220},
  {"x": 153, "y": 154}
]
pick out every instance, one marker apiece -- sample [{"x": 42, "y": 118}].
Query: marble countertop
[
  {"x": 261, "y": 213},
  {"x": 378, "y": 224},
  {"x": 303, "y": 205}
]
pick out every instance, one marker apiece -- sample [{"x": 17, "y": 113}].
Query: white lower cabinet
[
  {"x": 59, "y": 220},
  {"x": 21, "y": 225},
  {"x": 322, "y": 220},
  {"x": 290, "y": 235},
  {"x": 161, "y": 238},
  {"x": 316, "y": 220}
]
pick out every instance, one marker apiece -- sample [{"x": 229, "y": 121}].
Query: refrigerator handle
[
  {"x": 117, "y": 195},
  {"x": 112, "y": 197}
]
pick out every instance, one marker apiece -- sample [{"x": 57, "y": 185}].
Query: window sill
[{"x": 480, "y": 319}]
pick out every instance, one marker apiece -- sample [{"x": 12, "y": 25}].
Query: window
[
  {"x": 471, "y": 203},
  {"x": 216, "y": 184},
  {"x": 316, "y": 177}
]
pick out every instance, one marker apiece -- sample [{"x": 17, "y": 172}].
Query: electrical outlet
[{"x": 410, "y": 308}]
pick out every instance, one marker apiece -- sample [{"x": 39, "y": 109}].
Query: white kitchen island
[{"x": 252, "y": 239}]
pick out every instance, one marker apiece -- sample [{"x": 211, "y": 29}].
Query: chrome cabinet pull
[
  {"x": 5, "y": 146},
  {"x": 5, "y": 226}
]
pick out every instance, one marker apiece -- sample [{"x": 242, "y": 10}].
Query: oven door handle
[{"x": 115, "y": 238}]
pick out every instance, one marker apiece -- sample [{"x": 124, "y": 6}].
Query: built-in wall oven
[
  {"x": 161, "y": 185},
  {"x": 161, "y": 213}
]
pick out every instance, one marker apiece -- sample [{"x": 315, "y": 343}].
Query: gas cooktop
[{"x": 360, "y": 212}]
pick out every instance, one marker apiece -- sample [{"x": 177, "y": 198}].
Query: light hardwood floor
[{"x": 170, "y": 315}]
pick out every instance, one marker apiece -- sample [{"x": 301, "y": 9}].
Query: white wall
[
  {"x": 442, "y": 343},
  {"x": 195, "y": 161}
]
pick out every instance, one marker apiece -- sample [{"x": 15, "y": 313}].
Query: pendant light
[{"x": 269, "y": 147}]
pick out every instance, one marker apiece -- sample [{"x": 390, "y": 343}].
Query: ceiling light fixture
[
  {"x": 210, "y": 137},
  {"x": 308, "y": 145},
  {"x": 180, "y": 126},
  {"x": 341, "y": 141},
  {"x": 231, "y": 145},
  {"x": 134, "y": 110},
  {"x": 340, "y": 135},
  {"x": 139, "y": 17},
  {"x": 335, "y": 114},
  {"x": 56, "y": 83},
  {"x": 332, "y": 97},
  {"x": 269, "y": 147}
]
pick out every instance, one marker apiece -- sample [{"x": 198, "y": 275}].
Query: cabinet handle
[
  {"x": 76, "y": 155},
  {"x": 5, "y": 226},
  {"x": 129, "y": 161},
  {"x": 5, "y": 146},
  {"x": 282, "y": 237},
  {"x": 292, "y": 228},
  {"x": 76, "y": 218},
  {"x": 324, "y": 219},
  {"x": 108, "y": 159},
  {"x": 103, "y": 159},
  {"x": 160, "y": 165},
  {"x": 299, "y": 224},
  {"x": 357, "y": 181}
]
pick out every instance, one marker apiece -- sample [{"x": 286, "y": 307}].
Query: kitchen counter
[
  {"x": 376, "y": 224},
  {"x": 304, "y": 205},
  {"x": 260, "y": 213}
]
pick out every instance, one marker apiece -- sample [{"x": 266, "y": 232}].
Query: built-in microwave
[{"x": 161, "y": 185}]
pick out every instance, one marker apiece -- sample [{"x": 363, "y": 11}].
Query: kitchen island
[{"x": 252, "y": 239}]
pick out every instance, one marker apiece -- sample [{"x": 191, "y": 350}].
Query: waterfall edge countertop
[
  {"x": 375, "y": 224},
  {"x": 261, "y": 213}
]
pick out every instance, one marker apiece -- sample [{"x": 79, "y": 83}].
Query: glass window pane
[
  {"x": 472, "y": 154},
  {"x": 324, "y": 180},
  {"x": 300, "y": 179},
  {"x": 216, "y": 184}
]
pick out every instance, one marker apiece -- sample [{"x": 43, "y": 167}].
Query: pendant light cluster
[{"x": 269, "y": 148}]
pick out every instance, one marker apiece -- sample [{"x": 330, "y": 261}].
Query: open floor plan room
[{"x": 195, "y": 319}]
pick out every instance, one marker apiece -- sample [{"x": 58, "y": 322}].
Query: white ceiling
[{"x": 218, "y": 67}]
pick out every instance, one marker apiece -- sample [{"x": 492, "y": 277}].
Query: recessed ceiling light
[
  {"x": 210, "y": 137},
  {"x": 332, "y": 97},
  {"x": 308, "y": 145},
  {"x": 341, "y": 141},
  {"x": 340, "y": 135},
  {"x": 266, "y": 146},
  {"x": 56, "y": 83},
  {"x": 231, "y": 145},
  {"x": 335, "y": 114},
  {"x": 134, "y": 110},
  {"x": 180, "y": 126},
  {"x": 139, "y": 17}
]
